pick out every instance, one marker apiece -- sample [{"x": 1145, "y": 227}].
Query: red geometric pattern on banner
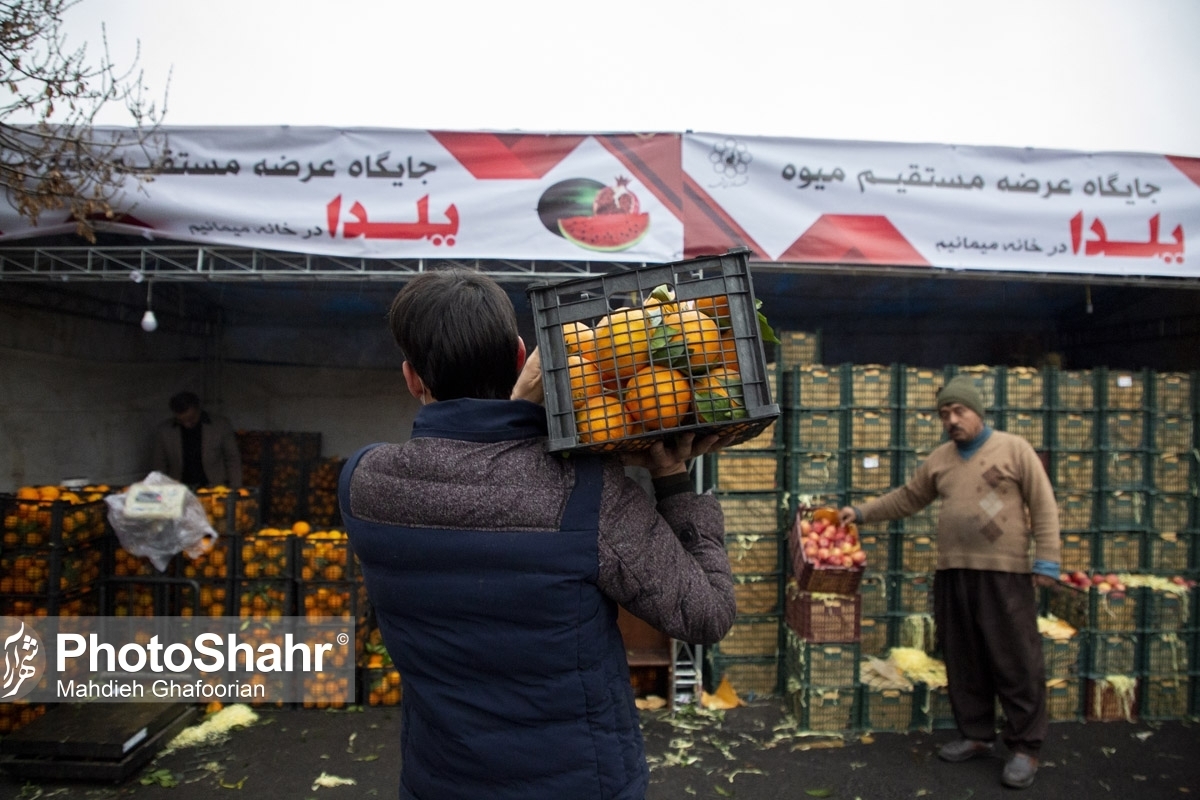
[
  {"x": 1188, "y": 166},
  {"x": 655, "y": 160},
  {"x": 707, "y": 229},
  {"x": 507, "y": 156},
  {"x": 855, "y": 239}
]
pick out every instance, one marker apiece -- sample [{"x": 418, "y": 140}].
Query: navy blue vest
[{"x": 514, "y": 673}]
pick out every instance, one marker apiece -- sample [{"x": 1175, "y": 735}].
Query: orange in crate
[
  {"x": 658, "y": 397},
  {"x": 602, "y": 419}
]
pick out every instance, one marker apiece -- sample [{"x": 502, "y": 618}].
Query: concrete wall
[{"x": 81, "y": 398}]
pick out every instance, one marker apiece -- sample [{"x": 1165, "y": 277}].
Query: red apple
[
  {"x": 805, "y": 527},
  {"x": 835, "y": 559},
  {"x": 858, "y": 557},
  {"x": 823, "y": 553},
  {"x": 1097, "y": 579}
]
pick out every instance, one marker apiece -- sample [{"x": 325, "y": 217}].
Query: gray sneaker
[
  {"x": 1019, "y": 771},
  {"x": 965, "y": 750}
]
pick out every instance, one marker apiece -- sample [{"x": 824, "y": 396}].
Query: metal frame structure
[{"x": 200, "y": 263}]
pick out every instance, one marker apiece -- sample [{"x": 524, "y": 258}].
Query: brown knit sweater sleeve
[{"x": 666, "y": 562}]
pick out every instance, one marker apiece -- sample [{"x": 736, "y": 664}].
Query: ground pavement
[{"x": 749, "y": 753}]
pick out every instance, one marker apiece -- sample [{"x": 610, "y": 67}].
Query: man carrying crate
[
  {"x": 995, "y": 496},
  {"x": 496, "y": 567}
]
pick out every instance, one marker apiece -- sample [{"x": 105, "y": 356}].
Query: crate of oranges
[
  {"x": 53, "y": 516},
  {"x": 631, "y": 357}
]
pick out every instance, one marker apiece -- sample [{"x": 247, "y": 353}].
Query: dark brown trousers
[{"x": 986, "y": 626}]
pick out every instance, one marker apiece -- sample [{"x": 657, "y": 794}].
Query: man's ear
[
  {"x": 416, "y": 386},
  {"x": 520, "y": 354}
]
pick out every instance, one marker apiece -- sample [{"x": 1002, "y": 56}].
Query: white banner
[
  {"x": 396, "y": 194},
  {"x": 946, "y": 206},
  {"x": 654, "y": 198}
]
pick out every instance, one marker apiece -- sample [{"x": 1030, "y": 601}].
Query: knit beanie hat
[{"x": 961, "y": 389}]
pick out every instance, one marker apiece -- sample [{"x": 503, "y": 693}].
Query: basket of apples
[{"x": 826, "y": 555}]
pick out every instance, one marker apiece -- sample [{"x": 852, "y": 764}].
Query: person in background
[
  {"x": 195, "y": 447},
  {"x": 496, "y": 567},
  {"x": 995, "y": 495}
]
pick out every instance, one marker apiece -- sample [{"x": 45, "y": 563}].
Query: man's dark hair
[
  {"x": 458, "y": 330},
  {"x": 183, "y": 401}
]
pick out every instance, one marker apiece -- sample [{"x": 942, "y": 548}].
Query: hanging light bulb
[
  {"x": 1087, "y": 295},
  {"x": 149, "y": 321}
]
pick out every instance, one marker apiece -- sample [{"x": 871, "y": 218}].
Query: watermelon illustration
[
  {"x": 594, "y": 216},
  {"x": 605, "y": 232},
  {"x": 575, "y": 197}
]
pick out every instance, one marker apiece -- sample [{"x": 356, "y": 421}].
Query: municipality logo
[{"x": 23, "y": 659}]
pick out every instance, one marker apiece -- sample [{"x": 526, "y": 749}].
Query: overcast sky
[{"x": 1094, "y": 75}]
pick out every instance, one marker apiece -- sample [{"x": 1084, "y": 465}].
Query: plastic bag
[{"x": 161, "y": 538}]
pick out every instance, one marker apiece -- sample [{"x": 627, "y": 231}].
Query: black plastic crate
[
  {"x": 1167, "y": 553},
  {"x": 1073, "y": 430},
  {"x": 746, "y": 470},
  {"x": 1078, "y": 551},
  {"x": 231, "y": 512},
  {"x": 750, "y": 677},
  {"x": 1169, "y": 610},
  {"x": 1171, "y": 512},
  {"x": 821, "y": 663},
  {"x": 1073, "y": 389},
  {"x": 1024, "y": 388},
  {"x": 719, "y": 280},
  {"x": 871, "y": 429},
  {"x": 758, "y": 593},
  {"x": 888, "y": 709},
  {"x": 820, "y": 473},
  {"x": 1076, "y": 510},
  {"x": 919, "y": 387},
  {"x": 1124, "y": 510},
  {"x": 873, "y": 386},
  {"x": 1167, "y": 653},
  {"x": 1112, "y": 653},
  {"x": 1123, "y": 389},
  {"x": 1064, "y": 700},
  {"x": 1029, "y": 424},
  {"x": 920, "y": 430},
  {"x": 1073, "y": 472},
  {"x": 1123, "y": 470},
  {"x": 824, "y": 709},
  {"x": 1173, "y": 472},
  {"x": 1165, "y": 697},
  {"x": 815, "y": 386},
  {"x": 1063, "y": 657},
  {"x": 752, "y": 637},
  {"x": 817, "y": 431},
  {"x": 1120, "y": 551},
  {"x": 1123, "y": 430},
  {"x": 752, "y": 513},
  {"x": 918, "y": 552},
  {"x": 33, "y": 523},
  {"x": 1173, "y": 393},
  {"x": 912, "y": 593},
  {"x": 1173, "y": 433}
]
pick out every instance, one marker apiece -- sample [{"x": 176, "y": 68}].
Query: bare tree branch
[{"x": 61, "y": 160}]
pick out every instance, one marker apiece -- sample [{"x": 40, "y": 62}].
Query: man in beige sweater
[{"x": 995, "y": 496}]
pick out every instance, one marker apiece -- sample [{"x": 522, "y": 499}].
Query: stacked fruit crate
[
  {"x": 51, "y": 560},
  {"x": 1168, "y": 641},
  {"x": 748, "y": 480},
  {"x": 278, "y": 463}
]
